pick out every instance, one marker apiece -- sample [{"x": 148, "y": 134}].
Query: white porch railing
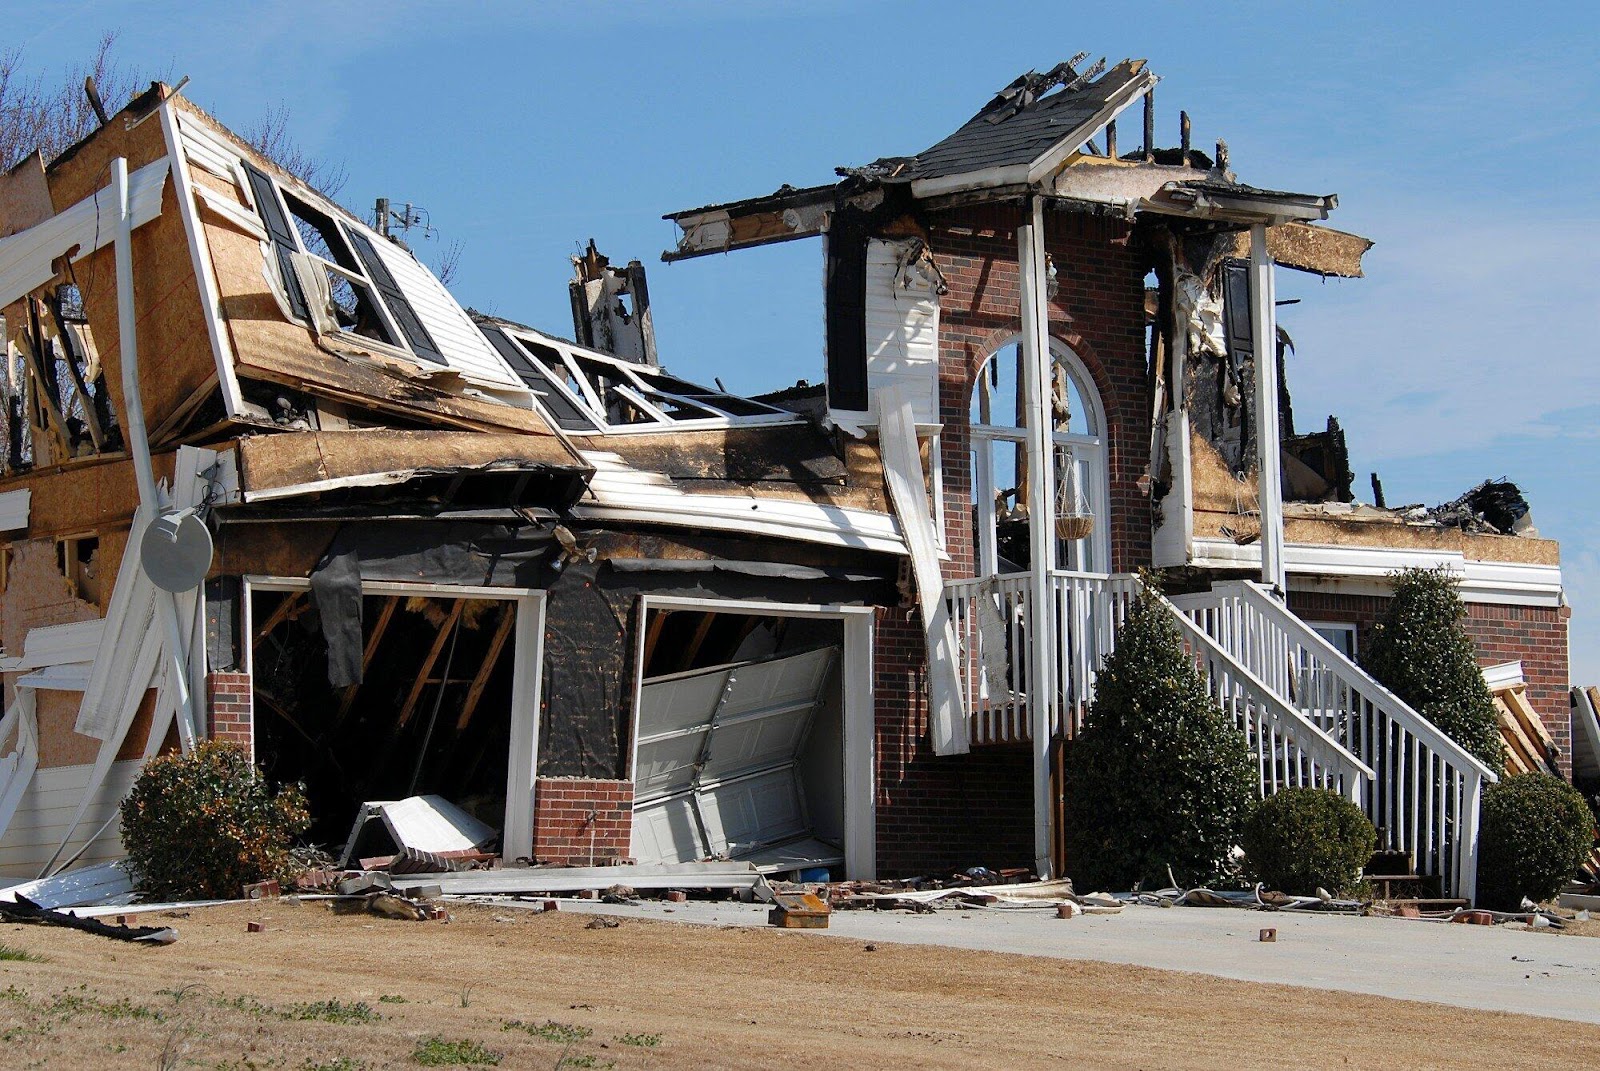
[
  {"x": 996, "y": 627},
  {"x": 1428, "y": 787}
]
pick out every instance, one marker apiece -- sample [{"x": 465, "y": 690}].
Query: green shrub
[
  {"x": 1301, "y": 838},
  {"x": 1421, "y": 653},
  {"x": 204, "y": 825},
  {"x": 1159, "y": 776},
  {"x": 1536, "y": 830}
]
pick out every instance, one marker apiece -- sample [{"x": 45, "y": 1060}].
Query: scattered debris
[
  {"x": 602, "y": 922},
  {"x": 1268, "y": 935},
  {"x": 21, "y": 909},
  {"x": 799, "y": 911}
]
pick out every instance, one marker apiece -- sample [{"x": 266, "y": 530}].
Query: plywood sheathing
[
  {"x": 36, "y": 595},
  {"x": 1221, "y": 499},
  {"x": 288, "y": 459},
  {"x": 785, "y": 463},
  {"x": 175, "y": 358},
  {"x": 271, "y": 549},
  {"x": 1305, "y": 247},
  {"x": 24, "y": 196},
  {"x": 84, "y": 496},
  {"x": 1394, "y": 531},
  {"x": 61, "y": 745}
]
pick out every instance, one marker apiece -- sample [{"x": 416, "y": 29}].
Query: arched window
[{"x": 1000, "y": 465}]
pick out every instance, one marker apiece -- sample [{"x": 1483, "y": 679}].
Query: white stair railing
[
  {"x": 995, "y": 627},
  {"x": 1427, "y": 788}
]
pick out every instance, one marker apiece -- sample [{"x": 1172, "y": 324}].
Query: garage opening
[
  {"x": 740, "y": 742},
  {"x": 432, "y": 714}
]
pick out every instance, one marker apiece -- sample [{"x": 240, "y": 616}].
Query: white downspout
[
  {"x": 139, "y": 446},
  {"x": 1037, "y": 385},
  {"x": 1269, "y": 485}
]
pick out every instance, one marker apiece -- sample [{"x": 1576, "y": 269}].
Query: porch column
[
  {"x": 1269, "y": 490},
  {"x": 1037, "y": 384}
]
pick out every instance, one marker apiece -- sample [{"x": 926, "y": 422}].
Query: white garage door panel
[
  {"x": 666, "y": 766},
  {"x": 756, "y": 743},
  {"x": 755, "y": 716},
  {"x": 742, "y": 815},
  {"x": 665, "y": 831}
]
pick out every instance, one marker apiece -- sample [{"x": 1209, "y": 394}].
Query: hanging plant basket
[{"x": 1074, "y": 525}]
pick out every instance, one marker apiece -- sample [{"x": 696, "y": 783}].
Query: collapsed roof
[{"x": 1037, "y": 136}]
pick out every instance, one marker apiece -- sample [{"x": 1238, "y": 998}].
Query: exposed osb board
[
  {"x": 1400, "y": 535},
  {"x": 786, "y": 463},
  {"x": 271, "y": 549},
  {"x": 271, "y": 347},
  {"x": 60, "y": 745},
  {"x": 1221, "y": 499},
  {"x": 1321, "y": 250},
  {"x": 82, "y": 496},
  {"x": 292, "y": 458},
  {"x": 36, "y": 595},
  {"x": 24, "y": 196}
]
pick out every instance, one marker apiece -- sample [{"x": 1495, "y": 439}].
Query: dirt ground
[{"x": 330, "y": 992}]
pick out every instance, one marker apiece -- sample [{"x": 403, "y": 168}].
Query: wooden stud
[
  {"x": 286, "y": 611},
  {"x": 480, "y": 680},
  {"x": 427, "y": 666}
]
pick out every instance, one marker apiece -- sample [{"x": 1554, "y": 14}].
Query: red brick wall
[
  {"x": 581, "y": 821},
  {"x": 1534, "y": 634},
  {"x": 1098, "y": 312},
  {"x": 229, "y": 708},
  {"x": 938, "y": 814}
]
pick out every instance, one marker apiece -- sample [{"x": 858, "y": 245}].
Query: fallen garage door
[{"x": 716, "y": 769}]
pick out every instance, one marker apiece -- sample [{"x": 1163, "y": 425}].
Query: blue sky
[{"x": 1460, "y": 137}]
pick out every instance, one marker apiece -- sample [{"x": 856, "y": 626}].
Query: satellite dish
[{"x": 176, "y": 551}]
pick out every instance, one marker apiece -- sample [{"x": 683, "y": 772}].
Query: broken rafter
[
  {"x": 480, "y": 680},
  {"x": 289, "y": 609},
  {"x": 428, "y": 663}
]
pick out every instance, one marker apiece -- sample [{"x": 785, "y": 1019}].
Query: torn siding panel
[
  {"x": 272, "y": 466},
  {"x": 45, "y": 812},
  {"x": 902, "y": 326}
]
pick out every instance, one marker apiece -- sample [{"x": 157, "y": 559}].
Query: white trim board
[{"x": 1365, "y": 570}]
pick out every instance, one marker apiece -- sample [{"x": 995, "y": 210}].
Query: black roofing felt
[{"x": 1022, "y": 137}]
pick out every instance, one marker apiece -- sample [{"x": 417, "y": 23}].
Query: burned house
[{"x": 267, "y": 481}]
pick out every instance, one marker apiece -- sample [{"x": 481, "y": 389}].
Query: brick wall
[
  {"x": 230, "y": 710},
  {"x": 938, "y": 814},
  {"x": 935, "y": 814},
  {"x": 1098, "y": 312},
  {"x": 1535, "y": 635},
  {"x": 581, "y": 821}
]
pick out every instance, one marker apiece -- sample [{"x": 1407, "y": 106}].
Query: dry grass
[{"x": 342, "y": 993}]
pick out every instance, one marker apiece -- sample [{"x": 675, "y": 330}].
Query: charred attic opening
[
  {"x": 431, "y": 714},
  {"x": 740, "y": 742}
]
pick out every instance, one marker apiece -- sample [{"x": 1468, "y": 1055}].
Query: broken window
[
  {"x": 587, "y": 391},
  {"x": 78, "y": 558},
  {"x": 56, "y": 406},
  {"x": 333, "y": 275}
]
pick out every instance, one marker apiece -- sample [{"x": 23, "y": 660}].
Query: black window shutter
[
  {"x": 282, "y": 234},
  {"x": 567, "y": 416},
  {"x": 410, "y": 324},
  {"x": 1236, "y": 312},
  {"x": 846, "y": 298}
]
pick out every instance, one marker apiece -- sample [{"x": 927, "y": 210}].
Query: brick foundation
[
  {"x": 581, "y": 821},
  {"x": 1535, "y": 635},
  {"x": 230, "y": 708}
]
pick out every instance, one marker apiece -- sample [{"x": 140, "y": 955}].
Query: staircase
[
  {"x": 1427, "y": 787},
  {"x": 1309, "y": 715}
]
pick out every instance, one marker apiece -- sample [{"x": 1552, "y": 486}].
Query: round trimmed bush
[
  {"x": 1536, "y": 831},
  {"x": 1159, "y": 777},
  {"x": 204, "y": 825},
  {"x": 1301, "y": 838}
]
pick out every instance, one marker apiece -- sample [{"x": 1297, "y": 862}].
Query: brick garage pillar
[
  {"x": 581, "y": 821},
  {"x": 230, "y": 708}
]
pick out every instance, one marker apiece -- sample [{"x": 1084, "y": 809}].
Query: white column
[
  {"x": 1036, "y": 386},
  {"x": 1263, "y": 318}
]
